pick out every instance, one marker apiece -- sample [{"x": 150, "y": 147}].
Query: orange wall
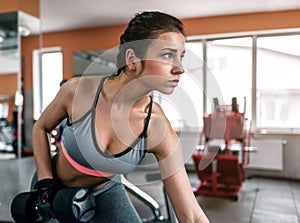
[
  {"x": 243, "y": 22},
  {"x": 108, "y": 37},
  {"x": 8, "y": 84},
  {"x": 79, "y": 40},
  {"x": 8, "y": 88},
  {"x": 29, "y": 6}
]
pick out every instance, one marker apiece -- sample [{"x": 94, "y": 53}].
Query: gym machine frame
[
  {"x": 221, "y": 167},
  {"x": 151, "y": 203}
]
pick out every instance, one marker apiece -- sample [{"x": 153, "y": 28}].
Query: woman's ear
[{"x": 131, "y": 60}]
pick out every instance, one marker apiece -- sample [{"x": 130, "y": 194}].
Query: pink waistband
[{"x": 83, "y": 169}]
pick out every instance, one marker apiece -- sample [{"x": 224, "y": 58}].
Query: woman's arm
[
  {"x": 182, "y": 198},
  {"x": 49, "y": 119},
  {"x": 169, "y": 155}
]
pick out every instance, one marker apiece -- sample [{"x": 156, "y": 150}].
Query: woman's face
[{"x": 163, "y": 62}]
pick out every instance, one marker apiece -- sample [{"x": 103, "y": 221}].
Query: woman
[{"x": 113, "y": 122}]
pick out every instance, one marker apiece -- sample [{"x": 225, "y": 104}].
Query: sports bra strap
[
  {"x": 148, "y": 116},
  {"x": 98, "y": 91}
]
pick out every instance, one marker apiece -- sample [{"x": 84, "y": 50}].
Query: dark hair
[
  {"x": 143, "y": 26},
  {"x": 63, "y": 81}
]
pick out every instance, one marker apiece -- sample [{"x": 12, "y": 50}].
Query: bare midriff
[{"x": 71, "y": 177}]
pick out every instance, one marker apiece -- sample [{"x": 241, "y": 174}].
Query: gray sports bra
[{"x": 80, "y": 146}]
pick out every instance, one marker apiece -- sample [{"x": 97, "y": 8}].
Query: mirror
[
  {"x": 9, "y": 47},
  {"x": 19, "y": 35},
  {"x": 30, "y": 40},
  {"x": 14, "y": 27},
  {"x": 9, "y": 75}
]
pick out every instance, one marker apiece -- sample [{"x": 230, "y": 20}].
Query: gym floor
[{"x": 260, "y": 200}]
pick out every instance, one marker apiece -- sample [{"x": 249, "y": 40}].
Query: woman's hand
[
  {"x": 185, "y": 205},
  {"x": 45, "y": 190}
]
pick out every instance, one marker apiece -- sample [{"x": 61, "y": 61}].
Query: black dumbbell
[
  {"x": 22, "y": 207},
  {"x": 69, "y": 205},
  {"x": 74, "y": 205}
]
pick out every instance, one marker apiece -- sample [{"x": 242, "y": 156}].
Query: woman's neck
[{"x": 124, "y": 89}]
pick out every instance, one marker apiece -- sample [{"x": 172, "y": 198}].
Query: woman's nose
[{"x": 177, "y": 68}]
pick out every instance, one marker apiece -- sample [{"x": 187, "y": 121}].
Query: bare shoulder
[
  {"x": 158, "y": 117},
  {"x": 162, "y": 136},
  {"x": 82, "y": 85},
  {"x": 79, "y": 92}
]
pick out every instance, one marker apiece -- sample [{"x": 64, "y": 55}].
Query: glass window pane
[
  {"x": 51, "y": 76},
  {"x": 278, "y": 91},
  {"x": 47, "y": 74},
  {"x": 230, "y": 70},
  {"x": 192, "y": 83}
]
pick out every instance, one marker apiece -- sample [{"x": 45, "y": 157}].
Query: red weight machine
[{"x": 221, "y": 158}]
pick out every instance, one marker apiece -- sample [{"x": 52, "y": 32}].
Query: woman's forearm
[{"x": 41, "y": 150}]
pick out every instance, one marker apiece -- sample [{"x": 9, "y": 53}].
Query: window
[
  {"x": 261, "y": 71},
  {"x": 229, "y": 61},
  {"x": 278, "y": 91},
  {"x": 47, "y": 74}
]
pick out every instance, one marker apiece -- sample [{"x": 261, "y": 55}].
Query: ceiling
[{"x": 59, "y": 15}]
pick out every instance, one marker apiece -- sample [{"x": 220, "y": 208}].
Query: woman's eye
[
  {"x": 167, "y": 55},
  {"x": 181, "y": 57}
]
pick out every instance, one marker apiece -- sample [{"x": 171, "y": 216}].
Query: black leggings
[{"x": 113, "y": 205}]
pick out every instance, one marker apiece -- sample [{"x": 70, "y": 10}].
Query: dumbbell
[{"x": 69, "y": 205}]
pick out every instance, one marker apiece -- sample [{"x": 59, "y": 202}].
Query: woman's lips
[{"x": 174, "y": 82}]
